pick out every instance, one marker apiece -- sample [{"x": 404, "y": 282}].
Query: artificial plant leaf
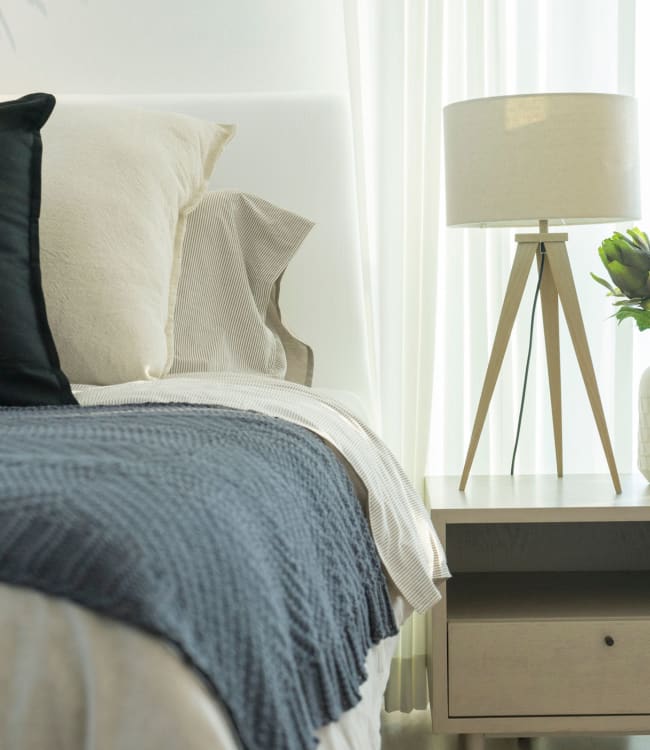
[{"x": 605, "y": 283}]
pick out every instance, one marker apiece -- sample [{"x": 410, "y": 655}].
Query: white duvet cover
[{"x": 74, "y": 680}]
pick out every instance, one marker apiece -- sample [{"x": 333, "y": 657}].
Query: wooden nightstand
[{"x": 545, "y": 625}]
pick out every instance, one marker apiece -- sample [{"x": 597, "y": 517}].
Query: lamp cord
[{"x": 530, "y": 350}]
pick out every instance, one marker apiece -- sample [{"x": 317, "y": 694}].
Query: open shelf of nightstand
[{"x": 538, "y": 596}]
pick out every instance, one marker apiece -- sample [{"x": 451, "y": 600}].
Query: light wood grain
[
  {"x": 561, "y": 268},
  {"x": 542, "y": 237},
  {"x": 537, "y": 492},
  {"x": 557, "y": 283},
  {"x": 532, "y": 668},
  {"x": 531, "y": 726},
  {"x": 514, "y": 291},
  {"x": 526, "y": 628},
  {"x": 551, "y": 318},
  {"x": 437, "y": 651}
]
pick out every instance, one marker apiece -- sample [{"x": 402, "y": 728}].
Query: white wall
[{"x": 163, "y": 46}]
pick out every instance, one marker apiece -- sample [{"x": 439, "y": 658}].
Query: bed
[{"x": 73, "y": 674}]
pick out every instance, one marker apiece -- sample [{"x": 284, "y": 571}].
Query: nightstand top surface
[{"x": 544, "y": 493}]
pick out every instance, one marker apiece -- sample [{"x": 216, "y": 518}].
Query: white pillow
[
  {"x": 236, "y": 249},
  {"x": 118, "y": 185}
]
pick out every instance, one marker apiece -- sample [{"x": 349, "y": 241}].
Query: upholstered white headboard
[{"x": 295, "y": 150}]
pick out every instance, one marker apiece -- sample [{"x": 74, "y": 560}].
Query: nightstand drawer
[{"x": 548, "y": 667}]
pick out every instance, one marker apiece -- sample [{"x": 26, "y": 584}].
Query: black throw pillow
[{"x": 29, "y": 364}]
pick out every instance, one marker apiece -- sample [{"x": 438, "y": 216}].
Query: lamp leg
[
  {"x": 514, "y": 291},
  {"x": 561, "y": 268},
  {"x": 550, "y": 315}
]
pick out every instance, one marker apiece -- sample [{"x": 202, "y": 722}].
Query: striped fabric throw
[{"x": 227, "y": 317}]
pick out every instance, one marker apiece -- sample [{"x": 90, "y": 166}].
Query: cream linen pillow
[
  {"x": 236, "y": 248},
  {"x": 118, "y": 185}
]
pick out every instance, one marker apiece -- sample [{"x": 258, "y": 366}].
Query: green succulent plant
[{"x": 627, "y": 260}]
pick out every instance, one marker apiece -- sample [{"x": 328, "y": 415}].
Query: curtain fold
[
  {"x": 434, "y": 293},
  {"x": 497, "y": 47},
  {"x": 394, "y": 57}
]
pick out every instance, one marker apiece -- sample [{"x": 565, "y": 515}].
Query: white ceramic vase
[{"x": 644, "y": 424}]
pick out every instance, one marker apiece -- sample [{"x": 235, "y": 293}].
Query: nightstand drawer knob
[{"x": 609, "y": 640}]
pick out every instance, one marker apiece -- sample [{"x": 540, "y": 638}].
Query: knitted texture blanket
[{"x": 235, "y": 536}]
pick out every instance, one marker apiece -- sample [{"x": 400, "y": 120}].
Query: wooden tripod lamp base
[{"x": 557, "y": 282}]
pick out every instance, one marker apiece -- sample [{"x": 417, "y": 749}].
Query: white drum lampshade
[{"x": 567, "y": 158}]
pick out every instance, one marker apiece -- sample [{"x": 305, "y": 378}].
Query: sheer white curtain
[
  {"x": 395, "y": 58},
  {"x": 434, "y": 293},
  {"x": 509, "y": 47}
]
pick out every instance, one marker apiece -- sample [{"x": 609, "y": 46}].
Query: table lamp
[{"x": 529, "y": 160}]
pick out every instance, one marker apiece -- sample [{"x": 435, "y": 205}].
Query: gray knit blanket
[{"x": 235, "y": 536}]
